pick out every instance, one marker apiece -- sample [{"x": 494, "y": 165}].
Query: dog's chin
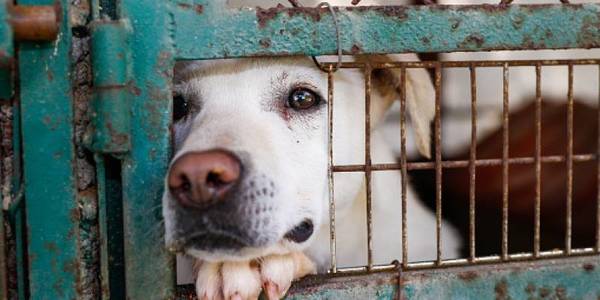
[{"x": 245, "y": 253}]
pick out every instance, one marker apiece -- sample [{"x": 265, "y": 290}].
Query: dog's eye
[
  {"x": 181, "y": 107},
  {"x": 303, "y": 98}
]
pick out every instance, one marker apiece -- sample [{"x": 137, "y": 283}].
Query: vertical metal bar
[
  {"x": 472, "y": 158},
  {"x": 538, "y": 162},
  {"x": 569, "y": 200},
  {"x": 403, "y": 166},
  {"x": 438, "y": 161},
  {"x": 3, "y": 257},
  {"x": 52, "y": 212},
  {"x": 332, "y": 242},
  {"x": 144, "y": 166},
  {"x": 368, "y": 174},
  {"x": 505, "y": 141},
  {"x": 598, "y": 172}
]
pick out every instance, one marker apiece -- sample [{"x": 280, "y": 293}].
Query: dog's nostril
[
  {"x": 301, "y": 232},
  {"x": 215, "y": 179}
]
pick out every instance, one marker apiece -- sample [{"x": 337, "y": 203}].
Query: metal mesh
[{"x": 438, "y": 164}]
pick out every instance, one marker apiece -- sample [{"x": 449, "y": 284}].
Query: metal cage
[{"x": 66, "y": 236}]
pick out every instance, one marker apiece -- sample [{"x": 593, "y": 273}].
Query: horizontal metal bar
[
  {"x": 575, "y": 277},
  {"x": 467, "y": 63},
  {"x": 463, "y": 163},
  {"x": 224, "y": 32}
]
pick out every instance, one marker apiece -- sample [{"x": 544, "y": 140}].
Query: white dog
[{"x": 246, "y": 194}]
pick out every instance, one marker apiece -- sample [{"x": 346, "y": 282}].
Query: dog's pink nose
[{"x": 200, "y": 179}]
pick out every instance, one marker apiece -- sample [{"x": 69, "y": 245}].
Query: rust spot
[
  {"x": 135, "y": 90},
  {"x": 473, "y": 40},
  {"x": 265, "y": 42},
  {"x": 355, "y": 49},
  {"x": 313, "y": 13},
  {"x": 51, "y": 247},
  {"x": 71, "y": 266},
  {"x": 74, "y": 215},
  {"x": 116, "y": 138},
  {"x": 197, "y": 8},
  {"x": 455, "y": 23},
  {"x": 589, "y": 267},
  {"x": 425, "y": 40},
  {"x": 265, "y": 15},
  {"x": 530, "y": 289},
  {"x": 50, "y": 75},
  {"x": 501, "y": 290},
  {"x": 398, "y": 12},
  {"x": 517, "y": 22},
  {"x": 544, "y": 292},
  {"x": 561, "y": 292},
  {"x": 468, "y": 276}
]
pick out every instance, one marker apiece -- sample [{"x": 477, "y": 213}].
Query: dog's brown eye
[
  {"x": 181, "y": 107},
  {"x": 303, "y": 98}
]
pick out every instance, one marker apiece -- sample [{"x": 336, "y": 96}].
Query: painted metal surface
[
  {"x": 564, "y": 278},
  {"x": 149, "y": 268},
  {"x": 6, "y": 36},
  {"x": 225, "y": 32},
  {"x": 110, "y": 105},
  {"x": 48, "y": 154}
]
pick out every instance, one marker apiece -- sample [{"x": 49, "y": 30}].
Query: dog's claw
[
  {"x": 272, "y": 291},
  {"x": 244, "y": 280},
  {"x": 236, "y": 296}
]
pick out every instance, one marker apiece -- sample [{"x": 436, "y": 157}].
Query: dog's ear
[{"x": 420, "y": 95}]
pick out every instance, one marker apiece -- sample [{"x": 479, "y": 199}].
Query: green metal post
[{"x": 50, "y": 189}]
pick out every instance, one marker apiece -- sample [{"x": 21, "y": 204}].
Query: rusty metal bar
[
  {"x": 505, "y": 141},
  {"x": 472, "y": 159},
  {"x": 598, "y": 172},
  {"x": 312, "y": 31},
  {"x": 368, "y": 173},
  {"x": 453, "y": 164},
  {"x": 538, "y": 163},
  {"x": 467, "y": 63},
  {"x": 403, "y": 166},
  {"x": 332, "y": 242},
  {"x": 569, "y": 200},
  {"x": 438, "y": 161},
  {"x": 39, "y": 23}
]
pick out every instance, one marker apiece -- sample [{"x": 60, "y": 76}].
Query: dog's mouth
[
  {"x": 301, "y": 232},
  {"x": 215, "y": 241}
]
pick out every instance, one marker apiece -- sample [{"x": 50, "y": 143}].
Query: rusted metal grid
[{"x": 438, "y": 164}]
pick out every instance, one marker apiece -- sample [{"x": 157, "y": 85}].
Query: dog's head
[{"x": 249, "y": 175}]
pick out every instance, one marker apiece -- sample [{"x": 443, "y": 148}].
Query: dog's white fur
[{"x": 239, "y": 110}]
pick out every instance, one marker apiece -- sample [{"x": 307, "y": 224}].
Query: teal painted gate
[{"x": 81, "y": 185}]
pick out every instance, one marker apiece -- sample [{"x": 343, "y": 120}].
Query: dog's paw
[{"x": 245, "y": 280}]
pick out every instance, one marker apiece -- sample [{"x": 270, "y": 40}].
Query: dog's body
[{"x": 265, "y": 220}]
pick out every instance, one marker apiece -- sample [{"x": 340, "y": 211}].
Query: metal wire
[
  {"x": 332, "y": 242},
  {"x": 598, "y": 172},
  {"x": 505, "y": 141},
  {"x": 472, "y": 159},
  {"x": 438, "y": 161},
  {"x": 403, "y": 166},
  {"x": 367, "y": 73},
  {"x": 538, "y": 162},
  {"x": 569, "y": 200}
]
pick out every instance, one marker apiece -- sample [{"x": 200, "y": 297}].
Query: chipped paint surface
[
  {"x": 49, "y": 158},
  {"x": 567, "y": 278},
  {"x": 145, "y": 165},
  {"x": 310, "y": 31}
]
